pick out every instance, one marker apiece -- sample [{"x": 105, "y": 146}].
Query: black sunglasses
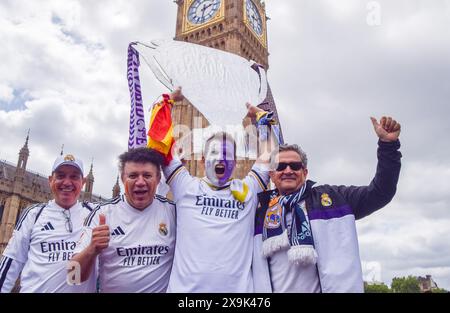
[{"x": 295, "y": 166}]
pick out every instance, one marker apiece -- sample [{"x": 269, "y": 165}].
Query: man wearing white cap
[{"x": 45, "y": 235}]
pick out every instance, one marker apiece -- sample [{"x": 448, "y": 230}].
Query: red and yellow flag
[{"x": 160, "y": 133}]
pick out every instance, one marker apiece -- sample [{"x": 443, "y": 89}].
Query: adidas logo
[
  {"x": 118, "y": 231},
  {"x": 48, "y": 226}
]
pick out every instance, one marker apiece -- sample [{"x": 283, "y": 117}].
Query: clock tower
[{"x": 236, "y": 26}]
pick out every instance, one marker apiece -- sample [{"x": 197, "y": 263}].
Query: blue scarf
[{"x": 298, "y": 240}]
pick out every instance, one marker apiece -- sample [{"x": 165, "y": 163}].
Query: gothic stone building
[{"x": 20, "y": 188}]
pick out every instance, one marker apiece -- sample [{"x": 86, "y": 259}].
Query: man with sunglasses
[
  {"x": 45, "y": 235},
  {"x": 306, "y": 238}
]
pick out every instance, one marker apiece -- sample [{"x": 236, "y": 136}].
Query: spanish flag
[{"x": 160, "y": 133}]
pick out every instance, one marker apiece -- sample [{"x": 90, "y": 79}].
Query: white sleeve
[
  {"x": 178, "y": 178},
  {"x": 258, "y": 177},
  {"x": 9, "y": 272},
  {"x": 16, "y": 252},
  {"x": 19, "y": 243}
]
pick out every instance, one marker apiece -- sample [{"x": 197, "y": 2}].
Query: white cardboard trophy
[{"x": 217, "y": 83}]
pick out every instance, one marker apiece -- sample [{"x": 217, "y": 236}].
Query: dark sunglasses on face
[{"x": 295, "y": 166}]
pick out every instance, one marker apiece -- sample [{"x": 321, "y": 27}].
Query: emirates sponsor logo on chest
[
  {"x": 141, "y": 255},
  {"x": 218, "y": 207},
  {"x": 57, "y": 251}
]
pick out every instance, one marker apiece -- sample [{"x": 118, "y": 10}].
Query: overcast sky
[{"x": 333, "y": 64}]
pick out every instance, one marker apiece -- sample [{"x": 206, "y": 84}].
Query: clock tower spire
[{"x": 236, "y": 26}]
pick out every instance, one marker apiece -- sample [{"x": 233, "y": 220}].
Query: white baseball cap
[{"x": 68, "y": 159}]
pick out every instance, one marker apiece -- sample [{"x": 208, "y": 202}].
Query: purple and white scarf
[{"x": 138, "y": 134}]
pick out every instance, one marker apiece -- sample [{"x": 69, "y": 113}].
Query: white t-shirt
[
  {"x": 288, "y": 277},
  {"x": 42, "y": 241},
  {"x": 214, "y": 233},
  {"x": 140, "y": 252}
]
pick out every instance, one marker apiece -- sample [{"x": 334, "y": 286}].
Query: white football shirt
[
  {"x": 287, "y": 277},
  {"x": 140, "y": 252},
  {"x": 214, "y": 233},
  {"x": 43, "y": 242}
]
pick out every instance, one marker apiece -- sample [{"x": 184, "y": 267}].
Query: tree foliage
[
  {"x": 408, "y": 284},
  {"x": 379, "y": 288},
  {"x": 440, "y": 290}
]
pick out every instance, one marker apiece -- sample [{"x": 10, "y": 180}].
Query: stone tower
[
  {"x": 22, "y": 161},
  {"x": 236, "y": 26},
  {"x": 19, "y": 188},
  {"x": 89, "y": 186},
  {"x": 116, "y": 188}
]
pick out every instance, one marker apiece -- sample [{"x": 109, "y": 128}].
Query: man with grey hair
[{"x": 305, "y": 236}]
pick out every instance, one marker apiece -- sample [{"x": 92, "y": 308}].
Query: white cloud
[
  {"x": 402, "y": 240},
  {"x": 343, "y": 10},
  {"x": 6, "y": 93}
]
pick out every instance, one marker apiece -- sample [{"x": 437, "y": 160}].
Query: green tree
[
  {"x": 439, "y": 290},
  {"x": 379, "y": 288},
  {"x": 408, "y": 284}
]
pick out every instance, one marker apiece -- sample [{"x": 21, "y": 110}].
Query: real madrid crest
[
  {"x": 69, "y": 157},
  {"x": 326, "y": 200},
  {"x": 273, "y": 202},
  {"x": 163, "y": 229},
  {"x": 273, "y": 216}
]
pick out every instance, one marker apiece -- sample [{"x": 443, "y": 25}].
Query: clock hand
[
  {"x": 203, "y": 12},
  {"x": 204, "y": 9},
  {"x": 206, "y": 6}
]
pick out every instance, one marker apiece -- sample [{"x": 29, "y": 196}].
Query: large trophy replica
[{"x": 217, "y": 83}]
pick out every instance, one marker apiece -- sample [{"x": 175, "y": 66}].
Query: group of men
[{"x": 218, "y": 235}]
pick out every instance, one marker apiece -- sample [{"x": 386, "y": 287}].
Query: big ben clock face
[
  {"x": 202, "y": 11},
  {"x": 254, "y": 17}
]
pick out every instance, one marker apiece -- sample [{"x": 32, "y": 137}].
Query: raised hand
[
  {"x": 100, "y": 236},
  {"x": 387, "y": 129},
  {"x": 177, "y": 94},
  {"x": 252, "y": 110}
]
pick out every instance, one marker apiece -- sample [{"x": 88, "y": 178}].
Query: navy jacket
[{"x": 332, "y": 211}]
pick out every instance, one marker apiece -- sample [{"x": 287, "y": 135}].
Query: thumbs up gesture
[
  {"x": 100, "y": 236},
  {"x": 387, "y": 129}
]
